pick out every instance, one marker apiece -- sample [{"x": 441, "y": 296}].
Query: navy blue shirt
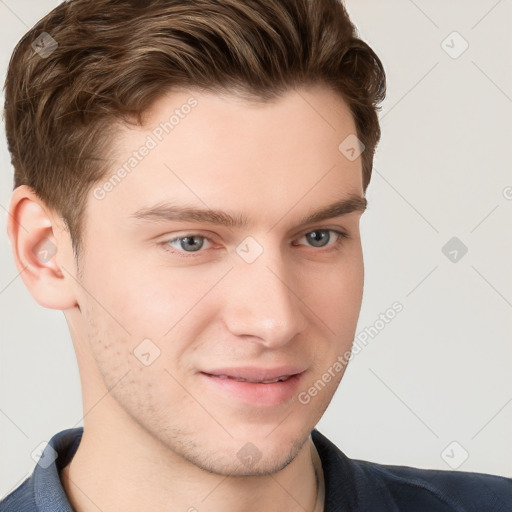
[{"x": 350, "y": 485}]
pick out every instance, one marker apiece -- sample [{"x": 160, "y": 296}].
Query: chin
[
  {"x": 252, "y": 452},
  {"x": 251, "y": 458}
]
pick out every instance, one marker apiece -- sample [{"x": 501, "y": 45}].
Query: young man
[{"x": 189, "y": 180}]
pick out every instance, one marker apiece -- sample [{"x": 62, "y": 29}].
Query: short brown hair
[{"x": 116, "y": 57}]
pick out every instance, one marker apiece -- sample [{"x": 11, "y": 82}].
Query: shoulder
[
  {"x": 20, "y": 500},
  {"x": 446, "y": 490},
  {"x": 369, "y": 486},
  {"x": 42, "y": 490}
]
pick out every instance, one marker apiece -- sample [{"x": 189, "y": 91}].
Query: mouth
[
  {"x": 282, "y": 378},
  {"x": 255, "y": 386}
]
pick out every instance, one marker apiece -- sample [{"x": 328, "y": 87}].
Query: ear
[{"x": 42, "y": 250}]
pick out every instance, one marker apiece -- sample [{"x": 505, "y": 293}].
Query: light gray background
[{"x": 441, "y": 370}]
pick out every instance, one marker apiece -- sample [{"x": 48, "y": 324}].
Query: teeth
[{"x": 240, "y": 379}]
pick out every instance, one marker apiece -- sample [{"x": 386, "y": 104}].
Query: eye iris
[
  {"x": 187, "y": 240},
  {"x": 318, "y": 238}
]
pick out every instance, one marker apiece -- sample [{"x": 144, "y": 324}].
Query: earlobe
[{"x": 41, "y": 250}]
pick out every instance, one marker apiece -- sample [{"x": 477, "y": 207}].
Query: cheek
[
  {"x": 142, "y": 297},
  {"x": 335, "y": 294},
  {"x": 130, "y": 303},
  {"x": 136, "y": 369},
  {"x": 108, "y": 341}
]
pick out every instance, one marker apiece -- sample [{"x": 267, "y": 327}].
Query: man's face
[{"x": 174, "y": 310}]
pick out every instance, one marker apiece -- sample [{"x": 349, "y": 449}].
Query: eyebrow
[{"x": 164, "y": 212}]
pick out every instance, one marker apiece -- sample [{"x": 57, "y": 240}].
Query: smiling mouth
[
  {"x": 241, "y": 379},
  {"x": 255, "y": 387}
]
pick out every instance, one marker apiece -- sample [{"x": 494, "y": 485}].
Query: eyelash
[{"x": 341, "y": 236}]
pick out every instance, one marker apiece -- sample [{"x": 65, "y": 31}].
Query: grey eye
[
  {"x": 319, "y": 238},
  {"x": 191, "y": 243}
]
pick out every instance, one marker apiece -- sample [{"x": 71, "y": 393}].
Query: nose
[{"x": 261, "y": 302}]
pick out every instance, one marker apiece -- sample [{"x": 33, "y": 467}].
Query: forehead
[{"x": 218, "y": 150}]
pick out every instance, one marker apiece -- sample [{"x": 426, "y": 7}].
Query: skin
[{"x": 160, "y": 437}]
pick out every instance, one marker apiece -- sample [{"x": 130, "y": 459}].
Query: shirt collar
[{"x": 49, "y": 494}]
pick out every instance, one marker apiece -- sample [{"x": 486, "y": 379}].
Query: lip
[
  {"x": 256, "y": 372},
  {"x": 223, "y": 381}
]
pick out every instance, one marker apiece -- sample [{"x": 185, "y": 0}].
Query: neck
[{"x": 121, "y": 467}]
